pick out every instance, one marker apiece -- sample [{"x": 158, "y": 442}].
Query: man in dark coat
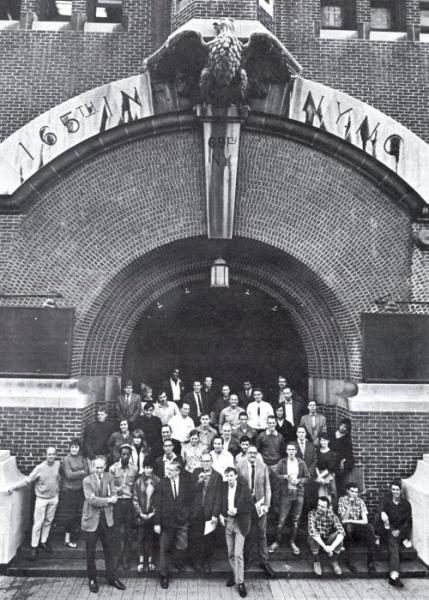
[
  {"x": 171, "y": 520},
  {"x": 237, "y": 505},
  {"x": 205, "y": 509},
  {"x": 128, "y": 406}
]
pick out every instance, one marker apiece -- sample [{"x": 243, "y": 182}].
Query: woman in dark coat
[{"x": 343, "y": 448}]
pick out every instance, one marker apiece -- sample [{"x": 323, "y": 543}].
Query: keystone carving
[{"x": 223, "y": 71}]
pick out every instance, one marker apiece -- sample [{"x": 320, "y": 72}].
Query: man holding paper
[
  {"x": 205, "y": 509},
  {"x": 255, "y": 473}
]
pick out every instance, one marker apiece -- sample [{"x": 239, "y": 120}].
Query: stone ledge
[
  {"x": 382, "y": 397},
  {"x": 42, "y": 393}
]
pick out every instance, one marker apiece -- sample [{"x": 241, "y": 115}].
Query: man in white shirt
[
  {"x": 182, "y": 424},
  {"x": 258, "y": 411},
  {"x": 164, "y": 409},
  {"x": 207, "y": 433},
  {"x": 174, "y": 387},
  {"x": 222, "y": 459}
]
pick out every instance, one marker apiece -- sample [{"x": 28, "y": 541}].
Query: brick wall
[
  {"x": 27, "y": 432},
  {"x": 342, "y": 242},
  {"x": 386, "y": 444}
]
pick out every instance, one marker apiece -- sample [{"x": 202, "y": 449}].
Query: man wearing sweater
[
  {"x": 96, "y": 435},
  {"x": 46, "y": 477}
]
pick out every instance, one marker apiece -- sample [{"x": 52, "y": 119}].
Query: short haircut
[
  {"x": 186, "y": 403},
  {"x": 148, "y": 461},
  {"x": 257, "y": 390},
  {"x": 243, "y": 414},
  {"x": 129, "y": 383},
  {"x": 351, "y": 484},
  {"x": 76, "y": 442},
  {"x": 324, "y": 436},
  {"x": 205, "y": 415},
  {"x": 138, "y": 433},
  {"x": 148, "y": 405},
  {"x": 252, "y": 448},
  {"x": 102, "y": 408},
  {"x": 230, "y": 470},
  {"x": 101, "y": 457},
  {"x": 397, "y": 482},
  {"x": 161, "y": 393},
  {"x": 166, "y": 425},
  {"x": 293, "y": 444},
  {"x": 218, "y": 437},
  {"x": 271, "y": 417},
  {"x": 176, "y": 464},
  {"x": 325, "y": 499},
  {"x": 194, "y": 432},
  {"x": 244, "y": 438}
]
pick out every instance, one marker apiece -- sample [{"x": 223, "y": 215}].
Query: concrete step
[{"x": 66, "y": 562}]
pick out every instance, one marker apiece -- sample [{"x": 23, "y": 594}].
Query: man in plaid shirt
[
  {"x": 354, "y": 518},
  {"x": 325, "y": 532}
]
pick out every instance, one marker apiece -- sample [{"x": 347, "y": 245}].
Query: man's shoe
[
  {"x": 33, "y": 553},
  {"x": 295, "y": 548},
  {"x": 273, "y": 547},
  {"x": 371, "y": 567},
  {"x": 46, "y": 547},
  {"x": 268, "y": 570},
  {"x": 395, "y": 582},
  {"x": 317, "y": 568},
  {"x": 230, "y": 581},
  {"x": 351, "y": 567},
  {"x": 164, "y": 583},
  {"x": 336, "y": 567},
  {"x": 93, "y": 586},
  {"x": 116, "y": 583},
  {"x": 242, "y": 590}
]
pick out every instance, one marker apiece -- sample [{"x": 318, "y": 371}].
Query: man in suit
[
  {"x": 128, "y": 405},
  {"x": 206, "y": 505},
  {"x": 172, "y": 503},
  {"x": 174, "y": 387},
  {"x": 169, "y": 456},
  {"x": 209, "y": 394},
  {"x": 292, "y": 474},
  {"x": 230, "y": 443},
  {"x": 307, "y": 452},
  {"x": 221, "y": 403},
  {"x": 196, "y": 403},
  {"x": 255, "y": 473},
  {"x": 97, "y": 521},
  {"x": 245, "y": 395},
  {"x": 237, "y": 506},
  {"x": 314, "y": 423},
  {"x": 291, "y": 400}
]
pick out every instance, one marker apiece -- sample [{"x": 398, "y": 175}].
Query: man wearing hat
[
  {"x": 128, "y": 405},
  {"x": 124, "y": 474}
]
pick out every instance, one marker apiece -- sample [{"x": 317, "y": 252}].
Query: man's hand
[
  {"x": 113, "y": 499},
  {"x": 157, "y": 529},
  {"x": 222, "y": 520},
  {"x": 384, "y": 516},
  {"x": 201, "y": 477},
  {"x": 214, "y": 520}
]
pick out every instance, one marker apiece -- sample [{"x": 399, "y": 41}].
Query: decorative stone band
[
  {"x": 42, "y": 393},
  {"x": 387, "y": 398},
  {"x": 118, "y": 105}
]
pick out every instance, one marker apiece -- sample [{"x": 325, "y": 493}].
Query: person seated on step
[
  {"x": 74, "y": 469},
  {"x": 144, "y": 490},
  {"x": 325, "y": 534},
  {"x": 291, "y": 473},
  {"x": 393, "y": 522},
  {"x": 354, "y": 518}
]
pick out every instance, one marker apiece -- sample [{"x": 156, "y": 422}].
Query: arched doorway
[{"x": 230, "y": 334}]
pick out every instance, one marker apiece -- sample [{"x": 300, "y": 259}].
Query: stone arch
[{"x": 318, "y": 202}]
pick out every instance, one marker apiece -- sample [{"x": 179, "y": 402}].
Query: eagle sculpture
[{"x": 223, "y": 71}]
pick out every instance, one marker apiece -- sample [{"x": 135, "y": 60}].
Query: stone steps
[{"x": 66, "y": 562}]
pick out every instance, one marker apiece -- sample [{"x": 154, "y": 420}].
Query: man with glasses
[
  {"x": 354, "y": 518},
  {"x": 169, "y": 456},
  {"x": 205, "y": 509}
]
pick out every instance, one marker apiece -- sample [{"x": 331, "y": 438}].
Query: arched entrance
[{"x": 229, "y": 334}]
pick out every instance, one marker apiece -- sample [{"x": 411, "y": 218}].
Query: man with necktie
[
  {"x": 195, "y": 401},
  {"x": 97, "y": 522},
  {"x": 255, "y": 473},
  {"x": 128, "y": 405},
  {"x": 171, "y": 519},
  {"x": 314, "y": 423}
]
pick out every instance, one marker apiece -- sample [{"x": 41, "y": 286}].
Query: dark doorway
[{"x": 229, "y": 334}]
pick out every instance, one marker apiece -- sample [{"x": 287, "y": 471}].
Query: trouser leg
[
  {"x": 106, "y": 536},
  {"x": 295, "y": 513},
  {"x": 261, "y": 528},
  {"x": 230, "y": 543},
  {"x": 165, "y": 542},
  {"x": 38, "y": 518},
  {"x": 285, "y": 506},
  {"x": 238, "y": 555},
  {"x": 393, "y": 545},
  {"x": 51, "y": 508},
  {"x": 91, "y": 543}
]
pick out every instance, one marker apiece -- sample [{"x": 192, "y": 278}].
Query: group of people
[{"x": 179, "y": 468}]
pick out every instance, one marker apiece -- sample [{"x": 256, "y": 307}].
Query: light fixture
[
  {"x": 247, "y": 293},
  {"x": 219, "y": 273},
  {"x": 187, "y": 290},
  {"x": 275, "y": 308},
  {"x": 159, "y": 305}
]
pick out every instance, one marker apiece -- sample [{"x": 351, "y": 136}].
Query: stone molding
[{"x": 43, "y": 394}]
